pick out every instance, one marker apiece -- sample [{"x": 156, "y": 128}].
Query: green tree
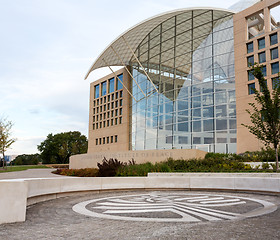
[
  {"x": 5, "y": 137},
  {"x": 27, "y": 159},
  {"x": 265, "y": 113},
  {"x": 59, "y": 147}
]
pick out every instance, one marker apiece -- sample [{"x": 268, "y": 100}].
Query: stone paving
[{"x": 208, "y": 215}]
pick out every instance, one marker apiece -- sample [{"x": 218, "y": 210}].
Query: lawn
[{"x": 21, "y": 168}]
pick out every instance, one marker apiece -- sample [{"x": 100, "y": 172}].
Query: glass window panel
[
  {"x": 250, "y": 60},
  {"x": 221, "y": 124},
  {"x": 111, "y": 85},
  {"x": 208, "y": 125},
  {"x": 262, "y": 57},
  {"x": 196, "y": 126},
  {"x": 221, "y": 111},
  {"x": 120, "y": 85},
  {"x": 261, "y": 43},
  {"x": 274, "y": 53},
  {"x": 221, "y": 97},
  {"x": 264, "y": 70},
  {"x": 250, "y": 47},
  {"x": 232, "y": 124},
  {"x": 250, "y": 76},
  {"x": 183, "y": 140},
  {"x": 184, "y": 127},
  {"x": 207, "y": 99},
  {"x": 196, "y": 140},
  {"x": 96, "y": 91},
  {"x": 274, "y": 68},
  {"x": 251, "y": 88},
  {"x": 208, "y": 140},
  {"x": 103, "y": 88},
  {"x": 273, "y": 39}
]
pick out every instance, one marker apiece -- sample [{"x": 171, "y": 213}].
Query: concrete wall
[
  {"x": 90, "y": 160},
  {"x": 15, "y": 193}
]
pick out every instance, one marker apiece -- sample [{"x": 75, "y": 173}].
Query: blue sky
[{"x": 47, "y": 47}]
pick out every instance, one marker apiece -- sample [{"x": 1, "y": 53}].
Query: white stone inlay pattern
[{"x": 173, "y": 207}]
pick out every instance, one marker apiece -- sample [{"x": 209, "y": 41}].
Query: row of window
[
  {"x": 252, "y": 86},
  {"x": 261, "y": 42},
  {"x": 110, "y": 97},
  {"x": 106, "y": 140},
  {"x": 108, "y": 86},
  {"x": 114, "y": 113},
  {"x": 262, "y": 57},
  {"x": 108, "y": 106},
  {"x": 103, "y": 124},
  {"x": 274, "y": 70}
]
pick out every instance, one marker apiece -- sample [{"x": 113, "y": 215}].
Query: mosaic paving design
[{"x": 174, "y": 207}]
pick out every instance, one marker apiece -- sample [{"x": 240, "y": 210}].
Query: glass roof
[{"x": 121, "y": 50}]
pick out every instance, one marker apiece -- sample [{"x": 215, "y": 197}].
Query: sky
[{"x": 46, "y": 49}]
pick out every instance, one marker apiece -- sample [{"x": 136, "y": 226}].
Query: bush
[
  {"x": 108, "y": 168},
  {"x": 84, "y": 172}
]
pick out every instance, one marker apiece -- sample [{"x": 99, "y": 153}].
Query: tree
[
  {"x": 265, "y": 113},
  {"x": 5, "y": 137},
  {"x": 59, "y": 147},
  {"x": 27, "y": 159}
]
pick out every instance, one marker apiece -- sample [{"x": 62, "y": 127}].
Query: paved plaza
[{"x": 151, "y": 215}]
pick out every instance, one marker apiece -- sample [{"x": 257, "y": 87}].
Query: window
[
  {"x": 116, "y": 104},
  {"x": 104, "y": 124},
  {"x": 120, "y": 111},
  {"x": 112, "y": 139},
  {"x": 116, "y": 138},
  {"x": 112, "y": 122},
  {"x": 104, "y": 115},
  {"x": 112, "y": 96},
  {"x": 96, "y": 126},
  {"x": 108, "y": 139},
  {"x": 99, "y": 141},
  {"x": 103, "y": 88},
  {"x": 93, "y": 119},
  {"x": 273, "y": 39},
  {"x": 94, "y": 103},
  {"x": 104, "y": 99},
  {"x": 274, "y": 68},
  {"x": 108, "y": 106},
  {"x": 112, "y": 105},
  {"x": 250, "y": 47},
  {"x": 275, "y": 82},
  {"x": 98, "y": 101},
  {"x": 93, "y": 126},
  {"x": 112, "y": 113},
  {"x": 105, "y": 107},
  {"x": 103, "y": 140},
  {"x": 111, "y": 85},
  {"x": 94, "y": 111},
  {"x": 108, "y": 114},
  {"x": 261, "y": 43},
  {"x": 120, "y": 85},
  {"x": 250, "y": 75},
  {"x": 250, "y": 61},
  {"x": 116, "y": 112},
  {"x": 120, "y": 120},
  {"x": 121, "y": 93},
  {"x": 100, "y": 108},
  {"x": 96, "y": 91},
  {"x": 274, "y": 53},
  {"x": 117, "y": 95},
  {"x": 264, "y": 70},
  {"x": 96, "y": 141},
  {"x": 108, "y": 123},
  {"x": 101, "y": 100},
  {"x": 262, "y": 57},
  {"x": 116, "y": 121},
  {"x": 251, "y": 88},
  {"x": 121, "y": 102}
]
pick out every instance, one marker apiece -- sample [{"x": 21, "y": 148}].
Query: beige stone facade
[
  {"x": 254, "y": 41},
  {"x": 109, "y": 114}
]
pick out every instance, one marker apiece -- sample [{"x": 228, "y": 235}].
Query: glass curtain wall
[{"x": 190, "y": 100}]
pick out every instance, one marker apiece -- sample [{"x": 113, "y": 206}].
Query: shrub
[
  {"x": 108, "y": 168},
  {"x": 84, "y": 172},
  {"x": 265, "y": 166}
]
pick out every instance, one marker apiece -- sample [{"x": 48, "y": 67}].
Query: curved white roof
[{"x": 135, "y": 35}]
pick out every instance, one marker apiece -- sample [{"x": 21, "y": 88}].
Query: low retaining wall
[
  {"x": 17, "y": 194},
  {"x": 90, "y": 160}
]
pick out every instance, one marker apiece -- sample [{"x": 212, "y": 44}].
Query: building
[{"x": 185, "y": 82}]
